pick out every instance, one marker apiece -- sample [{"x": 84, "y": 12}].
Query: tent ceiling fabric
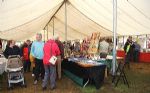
[
  {"x": 23, "y": 12},
  {"x": 21, "y": 19},
  {"x": 77, "y": 22},
  {"x": 130, "y": 21}
]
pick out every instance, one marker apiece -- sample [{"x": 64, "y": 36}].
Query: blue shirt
[
  {"x": 37, "y": 49},
  {"x": 137, "y": 47}
]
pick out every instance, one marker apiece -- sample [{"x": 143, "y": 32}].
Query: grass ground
[{"x": 138, "y": 77}]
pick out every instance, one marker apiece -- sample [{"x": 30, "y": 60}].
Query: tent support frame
[
  {"x": 66, "y": 20},
  {"x": 53, "y": 26},
  {"x": 55, "y": 13},
  {"x": 114, "y": 35}
]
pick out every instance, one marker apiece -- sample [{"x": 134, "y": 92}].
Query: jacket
[
  {"x": 12, "y": 51},
  {"x": 37, "y": 49},
  {"x": 61, "y": 48},
  {"x": 104, "y": 47},
  {"x": 50, "y": 49},
  {"x": 26, "y": 51},
  {"x": 128, "y": 47}
]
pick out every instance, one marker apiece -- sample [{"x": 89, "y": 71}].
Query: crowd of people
[
  {"x": 37, "y": 55},
  {"x": 105, "y": 47}
]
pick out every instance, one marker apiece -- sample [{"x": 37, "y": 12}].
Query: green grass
[
  {"x": 138, "y": 77},
  {"x": 139, "y": 82}
]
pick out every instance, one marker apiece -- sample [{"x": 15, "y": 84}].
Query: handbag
[{"x": 53, "y": 59}]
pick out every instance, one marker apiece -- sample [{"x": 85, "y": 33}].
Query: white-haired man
[
  {"x": 60, "y": 57},
  {"x": 37, "y": 52}
]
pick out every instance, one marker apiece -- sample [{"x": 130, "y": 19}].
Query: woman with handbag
[{"x": 51, "y": 50}]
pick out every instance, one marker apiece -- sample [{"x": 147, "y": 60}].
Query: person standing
[
  {"x": 0, "y": 44},
  {"x": 128, "y": 50},
  {"x": 103, "y": 48},
  {"x": 50, "y": 49},
  {"x": 136, "y": 51},
  {"x": 12, "y": 49},
  {"x": 71, "y": 47},
  {"x": 110, "y": 48},
  {"x": 26, "y": 55},
  {"x": 60, "y": 57},
  {"x": 77, "y": 47},
  {"x": 37, "y": 53}
]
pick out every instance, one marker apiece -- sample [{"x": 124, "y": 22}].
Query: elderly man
[
  {"x": 104, "y": 47},
  {"x": 60, "y": 57},
  {"x": 37, "y": 52}
]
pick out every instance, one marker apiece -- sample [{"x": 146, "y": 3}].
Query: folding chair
[{"x": 120, "y": 71}]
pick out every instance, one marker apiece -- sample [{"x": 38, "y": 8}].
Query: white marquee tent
[{"x": 22, "y": 19}]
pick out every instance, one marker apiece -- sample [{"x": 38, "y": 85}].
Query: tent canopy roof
[{"x": 22, "y": 19}]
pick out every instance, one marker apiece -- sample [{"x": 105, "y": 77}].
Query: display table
[
  {"x": 143, "y": 57},
  {"x": 82, "y": 75},
  {"x": 109, "y": 59}
]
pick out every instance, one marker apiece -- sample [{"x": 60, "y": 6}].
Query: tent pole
[
  {"x": 65, "y": 20},
  {"x": 55, "y": 13},
  {"x": 123, "y": 40},
  {"x": 114, "y": 34},
  {"x": 53, "y": 27}
]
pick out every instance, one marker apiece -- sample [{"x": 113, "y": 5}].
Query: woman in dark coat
[
  {"x": 128, "y": 47},
  {"x": 11, "y": 49}
]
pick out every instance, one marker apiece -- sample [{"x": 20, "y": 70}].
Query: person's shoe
[
  {"x": 32, "y": 75},
  {"x": 44, "y": 88},
  {"x": 53, "y": 88},
  {"x": 35, "y": 82}
]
